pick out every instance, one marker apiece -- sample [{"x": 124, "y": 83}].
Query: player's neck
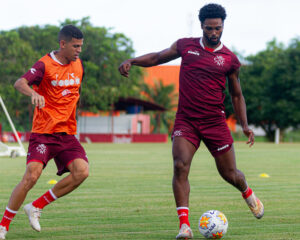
[{"x": 61, "y": 58}]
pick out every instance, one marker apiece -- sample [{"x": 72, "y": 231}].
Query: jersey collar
[
  {"x": 52, "y": 55},
  {"x": 217, "y": 49}
]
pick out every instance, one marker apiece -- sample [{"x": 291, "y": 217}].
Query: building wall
[
  {"x": 124, "y": 124},
  {"x": 143, "y": 120}
]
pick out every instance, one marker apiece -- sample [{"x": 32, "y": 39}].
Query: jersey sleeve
[
  {"x": 35, "y": 75},
  {"x": 180, "y": 46},
  {"x": 235, "y": 63}
]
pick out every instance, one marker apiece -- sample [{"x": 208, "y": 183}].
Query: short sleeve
[
  {"x": 180, "y": 46},
  {"x": 35, "y": 74},
  {"x": 235, "y": 63}
]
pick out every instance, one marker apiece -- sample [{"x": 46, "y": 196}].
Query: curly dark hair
[{"x": 212, "y": 10}]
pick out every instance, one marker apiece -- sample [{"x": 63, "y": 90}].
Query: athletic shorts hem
[{"x": 35, "y": 160}]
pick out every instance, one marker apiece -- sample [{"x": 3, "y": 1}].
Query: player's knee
[
  {"x": 229, "y": 175},
  {"x": 180, "y": 167},
  {"x": 80, "y": 175},
  {"x": 232, "y": 176},
  {"x": 30, "y": 180}
]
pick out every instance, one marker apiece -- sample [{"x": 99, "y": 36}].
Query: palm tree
[{"x": 163, "y": 95}]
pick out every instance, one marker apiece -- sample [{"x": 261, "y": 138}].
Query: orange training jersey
[{"x": 59, "y": 84}]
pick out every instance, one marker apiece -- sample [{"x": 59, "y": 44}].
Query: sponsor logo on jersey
[
  {"x": 219, "y": 60},
  {"x": 72, "y": 80},
  {"x": 194, "y": 52},
  {"x": 33, "y": 70}
]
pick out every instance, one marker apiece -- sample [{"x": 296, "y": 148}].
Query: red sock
[
  {"x": 44, "y": 200},
  {"x": 247, "y": 193},
  {"x": 183, "y": 215},
  {"x": 7, "y": 217}
]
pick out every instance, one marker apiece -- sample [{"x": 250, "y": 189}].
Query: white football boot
[
  {"x": 185, "y": 232},
  {"x": 255, "y": 205},
  {"x": 3, "y": 232},
  {"x": 34, "y": 215}
]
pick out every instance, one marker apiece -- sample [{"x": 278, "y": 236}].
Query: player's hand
[
  {"x": 37, "y": 100},
  {"x": 250, "y": 134},
  {"x": 125, "y": 67}
]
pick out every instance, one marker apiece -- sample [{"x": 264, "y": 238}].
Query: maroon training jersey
[{"x": 202, "y": 78}]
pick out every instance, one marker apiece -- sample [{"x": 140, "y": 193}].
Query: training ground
[{"x": 128, "y": 194}]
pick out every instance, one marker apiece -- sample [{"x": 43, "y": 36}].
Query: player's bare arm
[
  {"x": 22, "y": 86},
  {"x": 239, "y": 104},
  {"x": 150, "y": 59}
]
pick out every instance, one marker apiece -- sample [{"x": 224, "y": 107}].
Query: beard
[{"x": 214, "y": 41}]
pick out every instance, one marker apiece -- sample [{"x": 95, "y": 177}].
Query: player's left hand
[{"x": 250, "y": 134}]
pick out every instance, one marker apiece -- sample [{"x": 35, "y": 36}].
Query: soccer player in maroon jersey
[{"x": 206, "y": 64}]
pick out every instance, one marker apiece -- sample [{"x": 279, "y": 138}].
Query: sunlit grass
[{"x": 129, "y": 195}]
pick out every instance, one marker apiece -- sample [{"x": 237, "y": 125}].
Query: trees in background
[
  {"x": 270, "y": 79},
  {"x": 165, "y": 96},
  {"x": 271, "y": 85},
  {"x": 102, "y": 53}
]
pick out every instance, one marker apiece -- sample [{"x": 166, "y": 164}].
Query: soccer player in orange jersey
[{"x": 56, "y": 79}]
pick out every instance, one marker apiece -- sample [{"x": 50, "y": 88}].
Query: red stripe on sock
[
  {"x": 43, "y": 201},
  {"x": 247, "y": 193},
  {"x": 7, "y": 218}
]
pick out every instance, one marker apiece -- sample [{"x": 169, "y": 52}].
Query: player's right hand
[
  {"x": 37, "y": 99},
  {"x": 125, "y": 67}
]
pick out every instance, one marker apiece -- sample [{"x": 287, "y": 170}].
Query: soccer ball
[{"x": 213, "y": 224}]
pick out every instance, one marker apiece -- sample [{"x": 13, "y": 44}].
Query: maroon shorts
[
  {"x": 62, "y": 147},
  {"x": 213, "y": 131}
]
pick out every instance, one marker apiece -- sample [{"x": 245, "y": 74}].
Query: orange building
[{"x": 169, "y": 74}]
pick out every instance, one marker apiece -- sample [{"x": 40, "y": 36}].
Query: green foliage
[
  {"x": 102, "y": 53},
  {"x": 163, "y": 95},
  {"x": 271, "y": 85}
]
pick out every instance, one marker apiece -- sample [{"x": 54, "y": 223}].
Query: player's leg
[
  {"x": 32, "y": 174},
  {"x": 226, "y": 165},
  {"x": 183, "y": 152},
  {"x": 79, "y": 171}
]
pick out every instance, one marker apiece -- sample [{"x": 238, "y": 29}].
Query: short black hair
[
  {"x": 212, "y": 10},
  {"x": 68, "y": 32}
]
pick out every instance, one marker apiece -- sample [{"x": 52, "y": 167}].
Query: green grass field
[{"x": 129, "y": 195}]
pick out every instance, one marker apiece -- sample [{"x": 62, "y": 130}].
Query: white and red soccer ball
[{"x": 213, "y": 224}]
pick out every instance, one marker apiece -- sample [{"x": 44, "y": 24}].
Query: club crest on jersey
[
  {"x": 41, "y": 148},
  {"x": 219, "y": 60}
]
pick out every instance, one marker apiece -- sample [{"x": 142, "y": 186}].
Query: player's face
[
  {"x": 72, "y": 49},
  {"x": 212, "y": 30}
]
